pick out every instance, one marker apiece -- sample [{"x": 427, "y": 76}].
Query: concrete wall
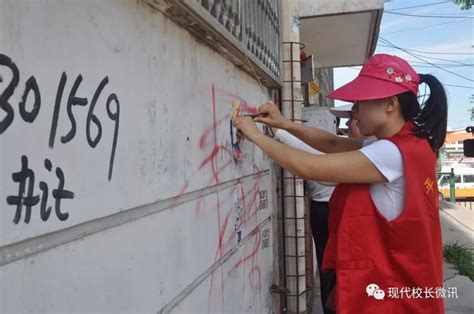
[
  {"x": 325, "y": 80},
  {"x": 119, "y": 191},
  {"x": 319, "y": 117}
]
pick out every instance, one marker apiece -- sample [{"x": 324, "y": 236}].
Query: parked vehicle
[{"x": 464, "y": 182}]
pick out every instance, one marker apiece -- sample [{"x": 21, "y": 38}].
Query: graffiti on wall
[
  {"x": 25, "y": 177},
  {"x": 52, "y": 200},
  {"x": 29, "y": 200},
  {"x": 247, "y": 200},
  {"x": 32, "y": 87}
]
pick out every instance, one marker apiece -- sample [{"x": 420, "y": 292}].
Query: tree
[{"x": 465, "y": 4}]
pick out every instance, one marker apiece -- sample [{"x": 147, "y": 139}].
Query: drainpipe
[{"x": 293, "y": 201}]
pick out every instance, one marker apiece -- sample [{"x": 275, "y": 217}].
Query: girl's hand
[
  {"x": 247, "y": 127},
  {"x": 269, "y": 114}
]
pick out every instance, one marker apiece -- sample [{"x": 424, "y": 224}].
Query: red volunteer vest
[{"x": 405, "y": 253}]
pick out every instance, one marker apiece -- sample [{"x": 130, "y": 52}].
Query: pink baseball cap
[{"x": 381, "y": 76}]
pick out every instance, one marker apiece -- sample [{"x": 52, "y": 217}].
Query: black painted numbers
[
  {"x": 29, "y": 107},
  {"x": 30, "y": 86},
  {"x": 92, "y": 119},
  {"x": 7, "y": 93},
  {"x": 32, "y": 95}
]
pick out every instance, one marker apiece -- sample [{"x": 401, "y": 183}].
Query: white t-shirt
[
  {"x": 389, "y": 197},
  {"x": 317, "y": 191}
]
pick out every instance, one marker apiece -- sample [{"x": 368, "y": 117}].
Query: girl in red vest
[{"x": 384, "y": 228}]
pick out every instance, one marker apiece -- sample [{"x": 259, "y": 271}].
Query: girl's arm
[
  {"x": 321, "y": 140},
  {"x": 347, "y": 167}
]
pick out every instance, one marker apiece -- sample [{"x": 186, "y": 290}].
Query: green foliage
[
  {"x": 461, "y": 256},
  {"x": 465, "y": 4}
]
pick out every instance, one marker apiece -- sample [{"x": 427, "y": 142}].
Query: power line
[
  {"x": 435, "y": 64},
  {"x": 440, "y": 59},
  {"x": 460, "y": 86},
  {"x": 445, "y": 64},
  {"x": 418, "y": 6},
  {"x": 428, "y": 26},
  {"x": 438, "y": 53},
  {"x": 432, "y": 58},
  {"x": 432, "y": 16},
  {"x": 421, "y": 65},
  {"x": 414, "y": 55},
  {"x": 418, "y": 56}
]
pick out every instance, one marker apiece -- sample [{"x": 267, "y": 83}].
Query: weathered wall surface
[
  {"x": 319, "y": 117},
  {"x": 325, "y": 78},
  {"x": 118, "y": 186}
]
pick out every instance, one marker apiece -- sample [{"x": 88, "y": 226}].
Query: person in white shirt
[
  {"x": 320, "y": 194},
  {"x": 375, "y": 212}
]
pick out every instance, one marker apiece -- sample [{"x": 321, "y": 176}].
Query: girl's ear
[{"x": 392, "y": 103}]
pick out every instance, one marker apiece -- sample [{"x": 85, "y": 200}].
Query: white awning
[{"x": 340, "y": 32}]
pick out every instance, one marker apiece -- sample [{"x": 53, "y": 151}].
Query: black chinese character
[{"x": 20, "y": 200}]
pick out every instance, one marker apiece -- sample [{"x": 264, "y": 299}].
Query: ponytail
[{"x": 431, "y": 117}]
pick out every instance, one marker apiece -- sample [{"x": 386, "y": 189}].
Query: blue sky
[{"x": 451, "y": 41}]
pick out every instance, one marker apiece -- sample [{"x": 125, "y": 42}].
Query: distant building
[{"x": 453, "y": 148}]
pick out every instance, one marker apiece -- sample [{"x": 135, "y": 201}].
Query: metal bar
[
  {"x": 284, "y": 242},
  {"x": 295, "y": 276},
  {"x": 297, "y": 295},
  {"x": 293, "y": 196},
  {"x": 284, "y": 300},
  {"x": 294, "y": 182},
  {"x": 296, "y": 237},
  {"x": 294, "y": 42},
  {"x": 295, "y": 61},
  {"x": 290, "y": 218}
]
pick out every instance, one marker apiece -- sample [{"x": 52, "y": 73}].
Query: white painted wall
[{"x": 180, "y": 226}]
